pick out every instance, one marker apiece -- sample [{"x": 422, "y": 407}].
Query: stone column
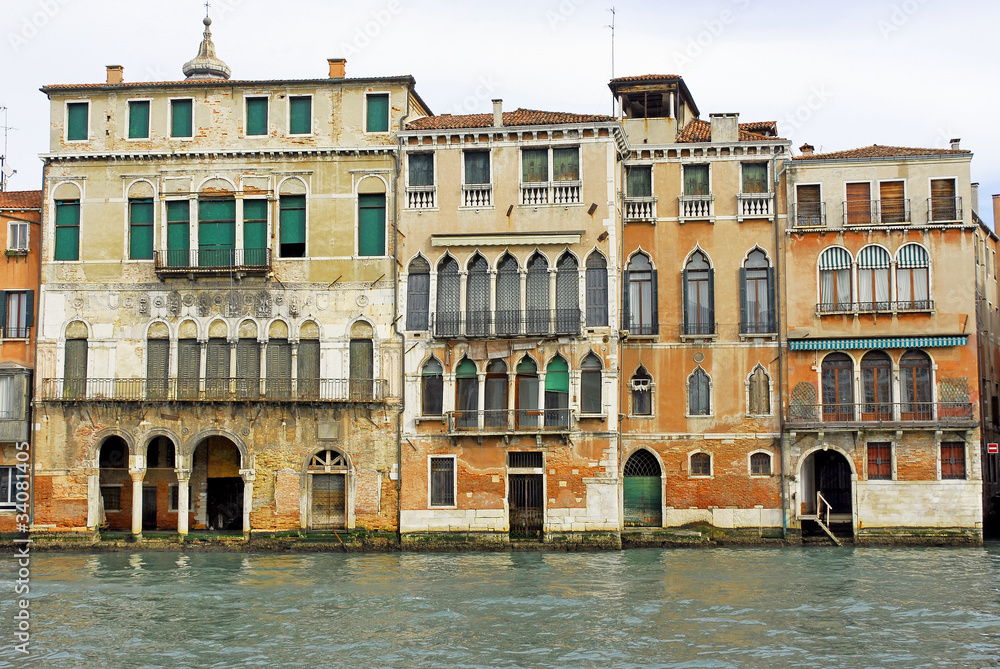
[
  {"x": 481, "y": 405},
  {"x": 93, "y": 498},
  {"x": 248, "y": 479},
  {"x": 137, "y": 476},
  {"x": 183, "y": 484}
]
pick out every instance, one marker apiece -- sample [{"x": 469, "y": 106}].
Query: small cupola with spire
[{"x": 206, "y": 65}]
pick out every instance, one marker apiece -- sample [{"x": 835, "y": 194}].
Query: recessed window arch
[
  {"x": 477, "y": 297},
  {"x": 567, "y": 294},
  {"x": 915, "y": 372},
  {"x": 157, "y": 360},
  {"x": 913, "y": 277},
  {"x": 495, "y": 400},
  {"x": 699, "y": 393},
  {"x": 759, "y": 392},
  {"x": 508, "y": 309},
  {"x": 466, "y": 394},
  {"x": 449, "y": 297},
  {"x": 838, "y": 387},
  {"x": 75, "y": 363},
  {"x": 873, "y": 278},
  {"x": 760, "y": 464},
  {"x": 557, "y": 393},
  {"x": 418, "y": 294},
  {"x": 642, "y": 392},
  {"x": 371, "y": 216},
  {"x": 597, "y": 290},
  {"x": 432, "y": 388},
  {"x": 699, "y": 295},
  {"x": 536, "y": 294},
  {"x": 639, "y": 300},
  {"x": 757, "y": 294},
  {"x": 700, "y": 464},
  {"x": 591, "y": 398},
  {"x": 876, "y": 386},
  {"x": 835, "y": 279},
  {"x": 362, "y": 361},
  {"x": 526, "y": 394}
]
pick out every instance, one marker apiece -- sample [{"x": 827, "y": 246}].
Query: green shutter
[
  {"x": 181, "y": 118},
  {"x": 77, "y": 114},
  {"x": 188, "y": 368},
  {"x": 300, "y": 110},
  {"x": 217, "y": 368},
  {"x": 67, "y": 230},
  {"x": 75, "y": 370},
  {"x": 157, "y": 366},
  {"x": 140, "y": 213},
  {"x": 362, "y": 368},
  {"x": 3, "y": 312},
  {"x": 216, "y": 232},
  {"x": 293, "y": 219},
  {"x": 371, "y": 225},
  {"x": 557, "y": 376},
  {"x": 247, "y": 368},
  {"x": 138, "y": 119},
  {"x": 254, "y": 232},
  {"x": 566, "y": 164},
  {"x": 279, "y": 368},
  {"x": 178, "y": 233},
  {"x": 534, "y": 165},
  {"x": 378, "y": 113},
  {"x": 308, "y": 367},
  {"x": 256, "y": 116}
]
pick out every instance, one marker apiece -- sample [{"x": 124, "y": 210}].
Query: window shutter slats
[
  {"x": 655, "y": 303},
  {"x": 626, "y": 315},
  {"x": 744, "y": 317}
]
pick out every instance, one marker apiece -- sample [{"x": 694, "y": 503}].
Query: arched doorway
[
  {"x": 643, "y": 491},
  {"x": 828, "y": 473},
  {"x": 115, "y": 485},
  {"x": 328, "y": 490},
  {"x": 217, "y": 485}
]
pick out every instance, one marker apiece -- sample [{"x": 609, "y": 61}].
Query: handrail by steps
[{"x": 819, "y": 517}]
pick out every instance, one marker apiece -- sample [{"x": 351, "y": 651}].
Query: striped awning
[
  {"x": 874, "y": 257},
  {"x": 835, "y": 258},
  {"x": 911, "y": 255},
  {"x": 878, "y": 342}
]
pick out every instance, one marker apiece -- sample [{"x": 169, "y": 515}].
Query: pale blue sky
[{"x": 835, "y": 74}]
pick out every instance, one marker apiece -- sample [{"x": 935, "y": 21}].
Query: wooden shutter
[
  {"x": 772, "y": 305},
  {"x": 77, "y": 114},
  {"x": 138, "y": 119},
  {"x": 67, "y": 230},
  {"x": 247, "y": 368},
  {"x": 256, "y": 116},
  {"x": 859, "y": 204},
  {"x": 140, "y": 211},
  {"x": 217, "y": 368},
  {"x": 279, "y": 368},
  {"x": 892, "y": 203},
  {"x": 808, "y": 206},
  {"x": 181, "y": 118},
  {"x": 378, "y": 113},
  {"x": 216, "y": 232},
  {"x": 178, "y": 233},
  {"x": 188, "y": 368},
  {"x": 3, "y": 313},
  {"x": 157, "y": 366},
  {"x": 308, "y": 368},
  {"x": 418, "y": 288},
  {"x": 292, "y": 226},
  {"x": 300, "y": 110},
  {"x": 75, "y": 370},
  {"x": 362, "y": 368},
  {"x": 711, "y": 302},
  {"x": 655, "y": 302},
  {"x": 255, "y": 232},
  {"x": 744, "y": 316},
  {"x": 943, "y": 202},
  {"x": 371, "y": 225}
]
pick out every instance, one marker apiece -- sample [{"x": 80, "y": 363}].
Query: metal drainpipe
[{"x": 778, "y": 255}]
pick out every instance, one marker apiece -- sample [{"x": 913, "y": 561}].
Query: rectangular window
[
  {"x": 944, "y": 204},
  {"x": 566, "y": 164},
  {"x": 8, "y": 475},
  {"x": 217, "y": 368},
  {"x": 178, "y": 233},
  {"x": 879, "y": 461},
  {"x": 442, "y": 481},
  {"x": 858, "y": 206},
  {"x": 292, "y": 227},
  {"x": 17, "y": 236},
  {"x": 308, "y": 368},
  {"x": 16, "y": 313},
  {"x": 525, "y": 459},
  {"x": 181, "y": 118},
  {"x": 696, "y": 180},
  {"x": 300, "y": 115},
  {"x": 77, "y": 121},
  {"x": 188, "y": 368},
  {"x": 216, "y": 233},
  {"x": 892, "y": 202},
  {"x": 534, "y": 165},
  {"x": 378, "y": 113},
  {"x": 11, "y": 398},
  {"x": 140, "y": 220},
  {"x": 157, "y": 367},
  {"x": 371, "y": 225},
  {"x": 952, "y": 460},
  {"x": 255, "y": 233},
  {"x": 421, "y": 169},
  {"x": 256, "y": 116},
  {"x": 809, "y": 208},
  {"x": 477, "y": 167},
  {"x": 174, "y": 494},
  {"x": 279, "y": 368},
  {"x": 639, "y": 182},
  {"x": 755, "y": 178},
  {"x": 111, "y": 495},
  {"x": 67, "y": 230},
  {"x": 138, "y": 119},
  {"x": 247, "y": 368},
  {"x": 760, "y": 464}
]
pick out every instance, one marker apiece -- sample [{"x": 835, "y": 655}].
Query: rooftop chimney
[
  {"x": 498, "y": 113},
  {"x": 116, "y": 74},
  {"x": 338, "y": 68},
  {"x": 975, "y": 199},
  {"x": 954, "y": 143},
  {"x": 996, "y": 211},
  {"x": 806, "y": 149},
  {"x": 725, "y": 127}
]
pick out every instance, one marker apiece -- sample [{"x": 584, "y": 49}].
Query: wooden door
[
  {"x": 149, "y": 507},
  {"x": 328, "y": 504}
]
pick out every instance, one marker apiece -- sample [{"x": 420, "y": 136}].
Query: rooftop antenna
[
  {"x": 612, "y": 26},
  {"x": 5, "y": 172}
]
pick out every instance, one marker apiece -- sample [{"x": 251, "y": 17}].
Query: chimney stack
[
  {"x": 725, "y": 127},
  {"x": 955, "y": 142},
  {"x": 996, "y": 211},
  {"x": 498, "y": 113},
  {"x": 806, "y": 149},
  {"x": 338, "y": 68},
  {"x": 975, "y": 198},
  {"x": 116, "y": 74}
]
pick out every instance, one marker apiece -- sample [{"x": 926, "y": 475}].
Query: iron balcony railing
[
  {"x": 881, "y": 307},
  {"x": 876, "y": 212},
  {"x": 510, "y": 421},
  {"x": 809, "y": 214},
  {"x": 508, "y": 323},
  {"x": 764, "y": 324},
  {"x": 879, "y": 413},
  {"x": 644, "y": 329},
  {"x": 212, "y": 261},
  {"x": 944, "y": 209},
  {"x": 15, "y": 332},
  {"x": 699, "y": 329},
  {"x": 226, "y": 389}
]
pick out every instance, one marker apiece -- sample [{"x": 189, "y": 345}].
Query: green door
[{"x": 642, "y": 496}]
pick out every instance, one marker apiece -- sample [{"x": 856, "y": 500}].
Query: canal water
[{"x": 814, "y": 607}]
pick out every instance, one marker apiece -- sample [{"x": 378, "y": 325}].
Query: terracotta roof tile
[
  {"x": 876, "y": 151},
  {"x": 514, "y": 118},
  {"x": 407, "y": 78},
  {"x": 645, "y": 77},
  {"x": 21, "y": 199},
  {"x": 701, "y": 131}
]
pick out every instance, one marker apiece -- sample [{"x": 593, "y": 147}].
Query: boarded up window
[
  {"x": 293, "y": 226},
  {"x": 378, "y": 113},
  {"x": 140, "y": 218},
  {"x": 138, "y": 119},
  {"x": 300, "y": 113},
  {"x": 371, "y": 224},
  {"x": 67, "y": 230},
  {"x": 181, "y": 118}
]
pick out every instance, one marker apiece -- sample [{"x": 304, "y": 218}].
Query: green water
[{"x": 812, "y": 607}]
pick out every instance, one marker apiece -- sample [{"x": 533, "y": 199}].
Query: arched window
[
  {"x": 835, "y": 279},
  {"x": 567, "y": 295},
  {"x": 699, "y": 296},
  {"x": 759, "y": 393},
  {"x": 642, "y": 393},
  {"x": 876, "y": 386},
  {"x": 495, "y": 415},
  {"x": 247, "y": 361},
  {"x": 526, "y": 401},
  {"x": 639, "y": 307},
  {"x": 873, "y": 279},
  {"x": 362, "y": 362},
  {"x": 537, "y": 295},
  {"x": 449, "y": 298},
  {"x": 557, "y": 393},
  {"x": 912, "y": 277},
  {"x": 591, "y": 401},
  {"x": 699, "y": 393},
  {"x": 915, "y": 386},
  {"x": 838, "y": 387},
  {"x": 508, "y": 311},
  {"x": 418, "y": 294},
  {"x": 466, "y": 395},
  {"x": 432, "y": 388},
  {"x": 597, "y": 290},
  {"x": 701, "y": 464},
  {"x": 477, "y": 297},
  {"x": 760, "y": 464},
  {"x": 642, "y": 490},
  {"x": 757, "y": 295}
]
